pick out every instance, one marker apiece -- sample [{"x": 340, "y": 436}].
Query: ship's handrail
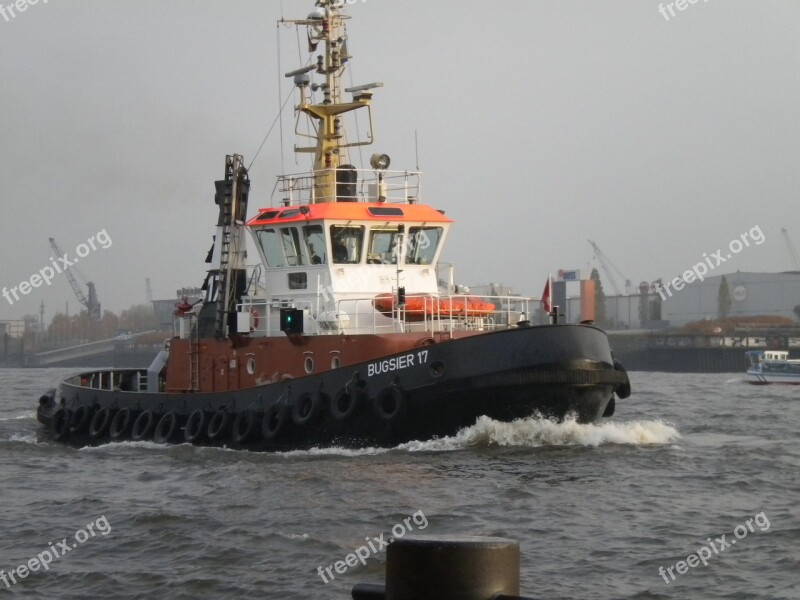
[
  {"x": 116, "y": 380},
  {"x": 394, "y": 187},
  {"x": 345, "y": 320},
  {"x": 439, "y": 313},
  {"x": 445, "y": 312},
  {"x": 371, "y": 315}
]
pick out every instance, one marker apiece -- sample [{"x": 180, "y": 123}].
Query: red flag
[{"x": 546, "y": 305}]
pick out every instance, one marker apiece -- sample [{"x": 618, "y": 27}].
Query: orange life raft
[{"x": 418, "y": 308}]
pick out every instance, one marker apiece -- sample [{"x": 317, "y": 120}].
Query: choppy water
[{"x": 597, "y": 509}]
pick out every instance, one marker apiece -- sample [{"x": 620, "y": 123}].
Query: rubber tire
[
  {"x": 195, "y": 429},
  {"x": 166, "y": 429},
  {"x": 219, "y": 426},
  {"x": 305, "y": 409},
  {"x": 59, "y": 426},
  {"x": 143, "y": 426},
  {"x": 390, "y": 394},
  {"x": 353, "y": 402},
  {"x": 610, "y": 408},
  {"x": 48, "y": 397},
  {"x": 101, "y": 420},
  {"x": 245, "y": 427},
  {"x": 121, "y": 424},
  {"x": 623, "y": 390},
  {"x": 273, "y": 422},
  {"x": 81, "y": 419}
]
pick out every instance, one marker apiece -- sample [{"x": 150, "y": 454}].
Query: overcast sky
[{"x": 541, "y": 124}]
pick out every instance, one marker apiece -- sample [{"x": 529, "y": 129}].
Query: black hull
[{"x": 431, "y": 391}]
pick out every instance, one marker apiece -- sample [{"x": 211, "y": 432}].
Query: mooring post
[{"x": 448, "y": 568}]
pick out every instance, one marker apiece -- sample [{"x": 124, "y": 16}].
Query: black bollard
[{"x": 448, "y": 568}]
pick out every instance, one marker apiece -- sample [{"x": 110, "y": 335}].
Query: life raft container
[{"x": 419, "y": 308}]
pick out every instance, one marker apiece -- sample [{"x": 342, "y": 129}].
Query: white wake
[
  {"x": 533, "y": 432},
  {"x": 536, "y": 432}
]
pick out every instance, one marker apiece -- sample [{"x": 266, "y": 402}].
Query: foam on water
[
  {"x": 335, "y": 451},
  {"x": 26, "y": 415},
  {"x": 295, "y": 536},
  {"x": 129, "y": 445},
  {"x": 28, "y": 438},
  {"x": 532, "y": 432},
  {"x": 535, "y": 432}
]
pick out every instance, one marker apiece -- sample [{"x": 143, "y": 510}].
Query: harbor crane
[
  {"x": 91, "y": 303},
  {"x": 792, "y": 250},
  {"x": 607, "y": 266}
]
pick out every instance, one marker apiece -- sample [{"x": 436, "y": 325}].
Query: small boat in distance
[
  {"x": 772, "y": 366},
  {"x": 349, "y": 330}
]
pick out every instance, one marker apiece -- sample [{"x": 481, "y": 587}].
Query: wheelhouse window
[
  {"x": 314, "y": 238},
  {"x": 384, "y": 245},
  {"x": 423, "y": 242},
  {"x": 272, "y": 246},
  {"x": 347, "y": 243},
  {"x": 298, "y": 281},
  {"x": 291, "y": 246}
]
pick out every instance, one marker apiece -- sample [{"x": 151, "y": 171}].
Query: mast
[
  {"x": 231, "y": 197},
  {"x": 326, "y": 27}
]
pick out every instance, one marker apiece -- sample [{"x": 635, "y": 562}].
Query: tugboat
[{"x": 348, "y": 331}]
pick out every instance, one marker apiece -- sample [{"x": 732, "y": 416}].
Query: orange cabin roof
[{"x": 349, "y": 211}]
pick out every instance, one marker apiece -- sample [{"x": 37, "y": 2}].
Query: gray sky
[{"x": 541, "y": 124}]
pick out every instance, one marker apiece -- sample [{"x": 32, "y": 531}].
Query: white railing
[
  {"x": 420, "y": 313},
  {"x": 444, "y": 313},
  {"x": 465, "y": 311},
  {"x": 357, "y": 315},
  {"x": 397, "y": 187},
  {"x": 112, "y": 380}
]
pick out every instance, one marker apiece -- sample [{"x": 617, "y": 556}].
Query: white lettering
[{"x": 397, "y": 363}]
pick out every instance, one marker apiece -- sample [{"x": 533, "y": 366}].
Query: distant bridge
[{"x": 81, "y": 351}]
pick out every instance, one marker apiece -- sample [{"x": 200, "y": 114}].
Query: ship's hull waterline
[{"x": 431, "y": 391}]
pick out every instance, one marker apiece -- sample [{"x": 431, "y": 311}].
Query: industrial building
[{"x": 751, "y": 294}]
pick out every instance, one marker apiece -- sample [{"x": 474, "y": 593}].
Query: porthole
[
  {"x": 437, "y": 369},
  {"x": 309, "y": 364},
  {"x": 336, "y": 362},
  {"x": 251, "y": 365}
]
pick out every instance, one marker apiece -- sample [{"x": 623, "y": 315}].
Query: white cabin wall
[{"x": 333, "y": 290}]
